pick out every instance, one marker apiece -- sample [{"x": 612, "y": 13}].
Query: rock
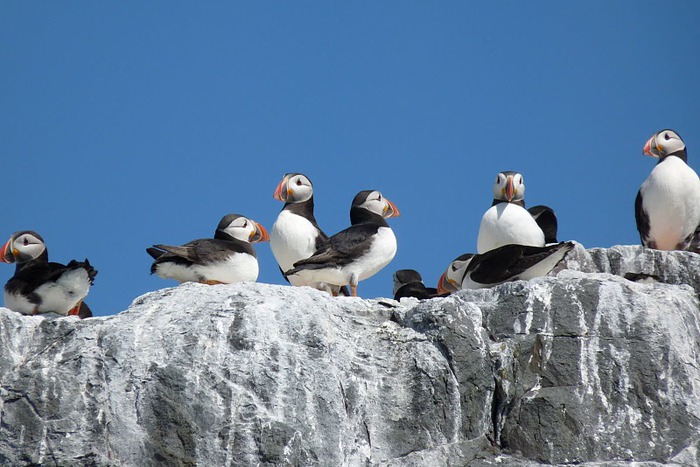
[{"x": 583, "y": 367}]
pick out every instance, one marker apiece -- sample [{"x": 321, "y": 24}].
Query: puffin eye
[
  {"x": 298, "y": 181},
  {"x": 25, "y": 242},
  {"x": 666, "y": 137}
]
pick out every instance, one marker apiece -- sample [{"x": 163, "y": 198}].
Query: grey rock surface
[{"x": 584, "y": 367}]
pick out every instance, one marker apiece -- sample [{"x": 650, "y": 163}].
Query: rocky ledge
[{"x": 582, "y": 367}]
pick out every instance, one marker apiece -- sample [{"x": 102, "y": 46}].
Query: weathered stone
[{"x": 584, "y": 367}]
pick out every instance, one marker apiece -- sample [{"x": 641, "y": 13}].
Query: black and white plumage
[
  {"x": 409, "y": 283},
  {"x": 503, "y": 264},
  {"x": 451, "y": 280},
  {"x": 40, "y": 286},
  {"x": 357, "y": 252},
  {"x": 547, "y": 220},
  {"x": 507, "y": 221},
  {"x": 667, "y": 208},
  {"x": 295, "y": 235},
  {"x": 227, "y": 258}
]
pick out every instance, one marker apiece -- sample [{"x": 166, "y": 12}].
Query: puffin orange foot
[
  {"x": 75, "y": 311},
  {"x": 208, "y": 282}
]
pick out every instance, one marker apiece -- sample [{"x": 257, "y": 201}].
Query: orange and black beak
[
  {"x": 259, "y": 234},
  {"x": 509, "y": 189},
  {"x": 651, "y": 148},
  {"x": 281, "y": 192},
  {"x": 390, "y": 210},
  {"x": 6, "y": 254},
  {"x": 445, "y": 285}
]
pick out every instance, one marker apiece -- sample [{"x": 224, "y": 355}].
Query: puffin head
[
  {"x": 509, "y": 187},
  {"x": 451, "y": 279},
  {"x": 665, "y": 143},
  {"x": 294, "y": 188},
  {"x": 22, "y": 246},
  {"x": 241, "y": 228},
  {"x": 373, "y": 201}
]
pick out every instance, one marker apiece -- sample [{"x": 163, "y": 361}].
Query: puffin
[
  {"x": 228, "y": 257},
  {"x": 409, "y": 283},
  {"x": 667, "y": 208},
  {"x": 295, "y": 235},
  {"x": 39, "y": 286},
  {"x": 507, "y": 221},
  {"x": 451, "y": 280},
  {"x": 507, "y": 263},
  {"x": 358, "y": 252}
]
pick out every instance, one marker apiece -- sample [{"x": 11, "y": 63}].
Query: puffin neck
[
  {"x": 303, "y": 209},
  {"x": 519, "y": 202},
  {"x": 43, "y": 258},
  {"x": 360, "y": 215},
  {"x": 682, "y": 154}
]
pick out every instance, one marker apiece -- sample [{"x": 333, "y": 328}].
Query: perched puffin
[
  {"x": 228, "y": 257},
  {"x": 409, "y": 283},
  {"x": 40, "y": 286},
  {"x": 507, "y": 263},
  {"x": 451, "y": 279},
  {"x": 667, "y": 208},
  {"x": 507, "y": 221},
  {"x": 295, "y": 235},
  {"x": 357, "y": 252}
]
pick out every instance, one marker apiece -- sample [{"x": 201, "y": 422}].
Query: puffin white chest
[
  {"x": 671, "y": 200},
  {"x": 292, "y": 238},
  {"x": 506, "y": 224},
  {"x": 237, "y": 267},
  {"x": 381, "y": 252}
]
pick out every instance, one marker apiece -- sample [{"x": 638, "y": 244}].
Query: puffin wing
[
  {"x": 342, "y": 247},
  {"x": 547, "y": 220},
  {"x": 507, "y": 262},
  {"x": 642, "y": 219},
  {"x": 494, "y": 266}
]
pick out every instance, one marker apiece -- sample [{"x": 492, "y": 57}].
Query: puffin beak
[
  {"x": 445, "y": 285},
  {"x": 281, "y": 191},
  {"x": 390, "y": 210},
  {"x": 6, "y": 255},
  {"x": 510, "y": 189},
  {"x": 651, "y": 149},
  {"x": 259, "y": 235}
]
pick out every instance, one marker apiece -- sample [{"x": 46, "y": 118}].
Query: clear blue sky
[{"x": 133, "y": 123}]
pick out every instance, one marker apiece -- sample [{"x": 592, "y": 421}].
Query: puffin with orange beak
[
  {"x": 502, "y": 264},
  {"x": 228, "y": 257},
  {"x": 667, "y": 208},
  {"x": 358, "y": 252},
  {"x": 507, "y": 221},
  {"x": 295, "y": 235},
  {"x": 39, "y": 286}
]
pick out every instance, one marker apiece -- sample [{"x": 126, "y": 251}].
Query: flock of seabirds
[{"x": 514, "y": 243}]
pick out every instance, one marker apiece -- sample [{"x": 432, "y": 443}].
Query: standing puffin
[
  {"x": 40, "y": 286},
  {"x": 228, "y": 257},
  {"x": 357, "y": 252},
  {"x": 409, "y": 283},
  {"x": 507, "y": 221},
  {"x": 667, "y": 208},
  {"x": 507, "y": 263},
  {"x": 295, "y": 235}
]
